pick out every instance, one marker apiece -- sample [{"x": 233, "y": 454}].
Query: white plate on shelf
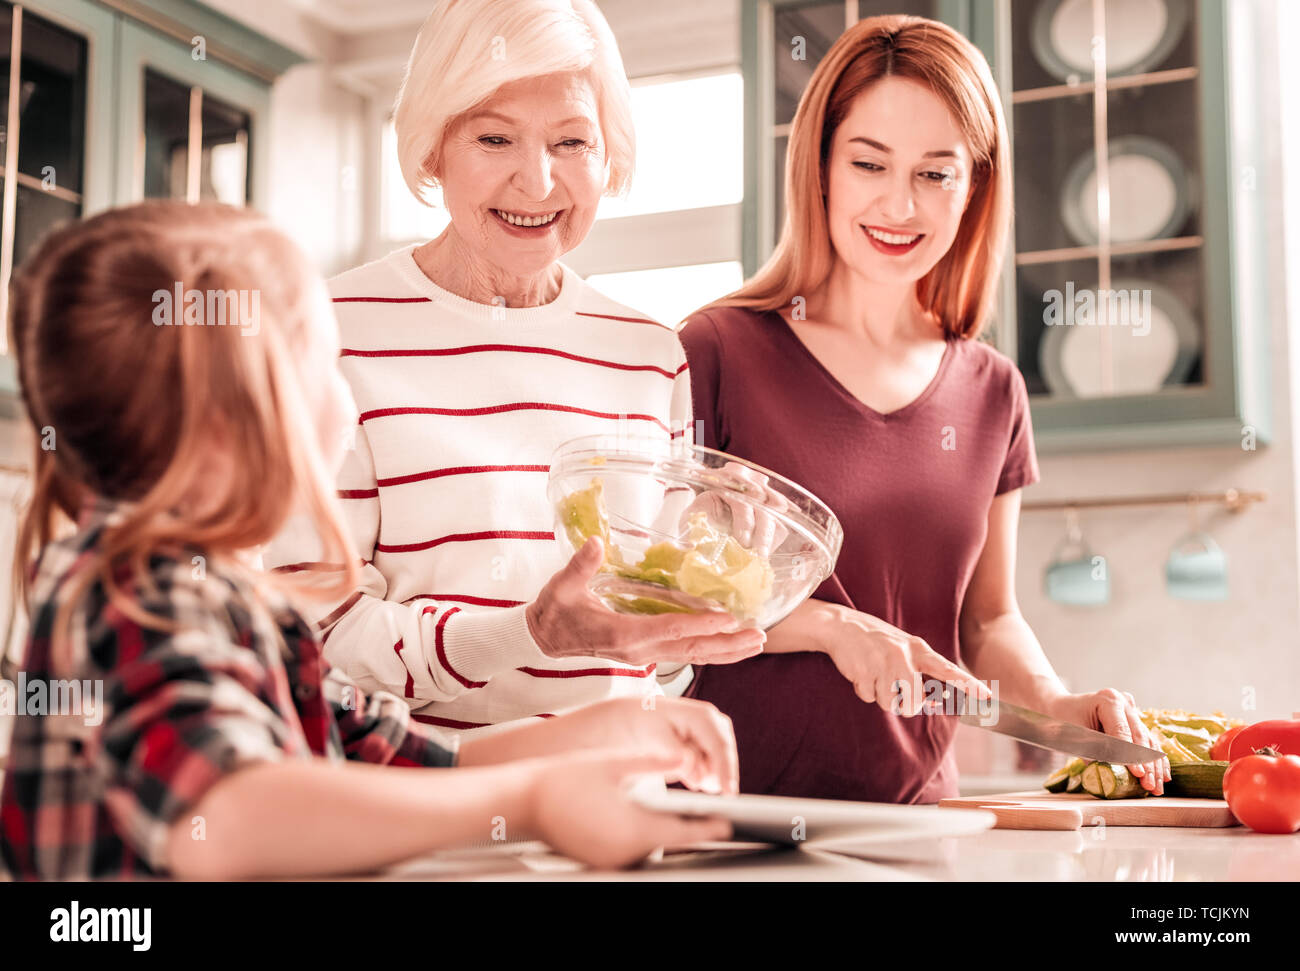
[
  {"x": 1151, "y": 195},
  {"x": 777, "y": 819},
  {"x": 1140, "y": 34},
  {"x": 1070, "y": 355}
]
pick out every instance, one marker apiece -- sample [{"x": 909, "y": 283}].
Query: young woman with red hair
[{"x": 850, "y": 363}]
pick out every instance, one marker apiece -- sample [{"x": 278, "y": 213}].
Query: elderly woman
[{"x": 471, "y": 357}]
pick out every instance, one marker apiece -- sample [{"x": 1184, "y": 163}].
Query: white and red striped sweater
[{"x": 461, "y": 406}]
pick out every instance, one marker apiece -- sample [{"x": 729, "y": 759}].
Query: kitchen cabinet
[
  {"x": 117, "y": 102},
  {"x": 1125, "y": 297},
  {"x": 188, "y": 128},
  {"x": 56, "y": 95}
]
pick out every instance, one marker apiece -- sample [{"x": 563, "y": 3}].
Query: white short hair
[{"x": 467, "y": 49}]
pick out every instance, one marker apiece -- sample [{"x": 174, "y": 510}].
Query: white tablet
[{"x": 779, "y": 819}]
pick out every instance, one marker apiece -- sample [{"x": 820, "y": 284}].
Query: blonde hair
[
  {"x": 961, "y": 288},
  {"x": 136, "y": 409},
  {"x": 467, "y": 49}
]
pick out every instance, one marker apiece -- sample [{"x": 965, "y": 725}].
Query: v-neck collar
[{"x": 898, "y": 414}]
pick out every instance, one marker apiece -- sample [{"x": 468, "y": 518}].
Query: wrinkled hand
[
  {"x": 1116, "y": 713},
  {"x": 568, "y": 620},
  {"x": 696, "y": 733},
  {"x": 581, "y": 806},
  {"x": 875, "y": 655},
  {"x": 748, "y": 520}
]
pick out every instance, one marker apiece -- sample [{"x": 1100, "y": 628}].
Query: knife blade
[{"x": 1035, "y": 728}]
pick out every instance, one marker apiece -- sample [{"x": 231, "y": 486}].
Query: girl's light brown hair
[
  {"x": 135, "y": 411},
  {"x": 961, "y": 287}
]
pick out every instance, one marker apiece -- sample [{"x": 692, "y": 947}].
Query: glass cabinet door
[
  {"x": 184, "y": 124},
  {"x": 52, "y": 122},
  {"x": 1122, "y": 293},
  {"x": 1109, "y": 253},
  {"x": 193, "y": 128}
]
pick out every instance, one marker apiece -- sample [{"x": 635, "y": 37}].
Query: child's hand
[
  {"x": 581, "y": 806},
  {"x": 694, "y": 732}
]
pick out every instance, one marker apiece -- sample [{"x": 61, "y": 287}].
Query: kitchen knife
[{"x": 1046, "y": 732}]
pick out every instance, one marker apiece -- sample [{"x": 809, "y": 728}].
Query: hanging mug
[
  {"x": 1197, "y": 569},
  {"x": 1076, "y": 576}
]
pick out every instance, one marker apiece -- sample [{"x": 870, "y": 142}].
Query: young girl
[{"x": 178, "y": 366}]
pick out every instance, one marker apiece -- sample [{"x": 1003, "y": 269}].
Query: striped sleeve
[
  {"x": 378, "y": 728},
  {"x": 422, "y": 651}
]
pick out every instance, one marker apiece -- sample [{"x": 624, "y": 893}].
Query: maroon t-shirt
[{"x": 912, "y": 490}]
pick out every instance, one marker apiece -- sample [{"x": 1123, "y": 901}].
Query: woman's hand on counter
[
  {"x": 875, "y": 656},
  {"x": 1115, "y": 713},
  {"x": 568, "y": 620}
]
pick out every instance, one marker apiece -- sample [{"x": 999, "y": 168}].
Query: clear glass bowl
[{"x": 690, "y": 529}]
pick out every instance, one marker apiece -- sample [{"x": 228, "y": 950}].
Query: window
[
  {"x": 402, "y": 218},
  {"x": 689, "y": 151},
  {"x": 669, "y": 293}
]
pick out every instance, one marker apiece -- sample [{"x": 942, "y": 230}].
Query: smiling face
[
  {"x": 523, "y": 173},
  {"x": 897, "y": 182}
]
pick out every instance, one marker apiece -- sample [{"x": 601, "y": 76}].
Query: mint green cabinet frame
[{"x": 1233, "y": 403}]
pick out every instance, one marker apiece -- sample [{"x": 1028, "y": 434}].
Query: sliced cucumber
[
  {"x": 1107, "y": 781},
  {"x": 1058, "y": 780}
]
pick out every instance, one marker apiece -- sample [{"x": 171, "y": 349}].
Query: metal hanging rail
[{"x": 1234, "y": 499}]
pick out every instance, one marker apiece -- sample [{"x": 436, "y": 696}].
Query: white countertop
[{"x": 1117, "y": 853}]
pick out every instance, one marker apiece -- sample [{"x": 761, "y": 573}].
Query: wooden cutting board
[{"x": 1040, "y": 809}]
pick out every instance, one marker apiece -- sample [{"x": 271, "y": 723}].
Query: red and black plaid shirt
[{"x": 93, "y": 794}]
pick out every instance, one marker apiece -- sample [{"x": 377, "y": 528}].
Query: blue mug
[
  {"x": 1197, "y": 574},
  {"x": 1083, "y": 581}
]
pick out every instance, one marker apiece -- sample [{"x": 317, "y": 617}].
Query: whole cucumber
[{"x": 1197, "y": 780}]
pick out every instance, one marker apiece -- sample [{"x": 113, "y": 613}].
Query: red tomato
[
  {"x": 1281, "y": 735},
  {"x": 1263, "y": 792},
  {"x": 1222, "y": 745}
]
